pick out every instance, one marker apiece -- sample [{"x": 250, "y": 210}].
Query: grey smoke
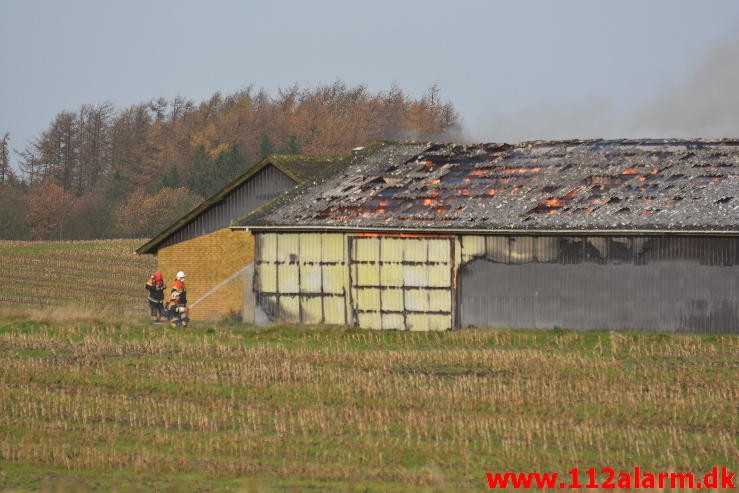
[
  {"x": 705, "y": 105},
  {"x": 704, "y": 102}
]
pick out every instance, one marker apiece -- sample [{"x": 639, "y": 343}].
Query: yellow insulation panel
[
  {"x": 312, "y": 309},
  {"x": 440, "y": 300},
  {"x": 393, "y": 321},
  {"x": 267, "y": 275},
  {"x": 472, "y": 246},
  {"x": 369, "y": 320},
  {"x": 268, "y": 247},
  {"x": 391, "y": 274},
  {"x": 415, "y": 250},
  {"x": 290, "y": 308},
  {"x": 417, "y": 300},
  {"x": 368, "y": 299},
  {"x": 333, "y": 310},
  {"x": 368, "y": 275},
  {"x": 288, "y": 248},
  {"x": 310, "y": 248},
  {"x": 392, "y": 300},
  {"x": 367, "y": 250},
  {"x": 332, "y": 247},
  {"x": 333, "y": 279},
  {"x": 439, "y": 250},
  {"x": 439, "y": 276},
  {"x": 392, "y": 249},
  {"x": 310, "y": 278},
  {"x": 287, "y": 278}
]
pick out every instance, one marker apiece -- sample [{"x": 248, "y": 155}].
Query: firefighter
[
  {"x": 179, "y": 314},
  {"x": 155, "y": 287}
]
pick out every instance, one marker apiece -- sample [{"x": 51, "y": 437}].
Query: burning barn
[
  {"x": 620, "y": 234},
  {"x": 215, "y": 258}
]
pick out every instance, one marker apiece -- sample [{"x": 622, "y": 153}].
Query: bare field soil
[{"x": 134, "y": 407}]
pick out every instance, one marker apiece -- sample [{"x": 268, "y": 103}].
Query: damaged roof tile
[{"x": 671, "y": 184}]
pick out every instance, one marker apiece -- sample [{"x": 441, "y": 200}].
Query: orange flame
[
  {"x": 630, "y": 171},
  {"x": 552, "y": 202},
  {"x": 428, "y": 202},
  {"x": 492, "y": 191}
]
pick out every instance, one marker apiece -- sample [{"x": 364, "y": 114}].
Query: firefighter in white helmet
[{"x": 179, "y": 314}]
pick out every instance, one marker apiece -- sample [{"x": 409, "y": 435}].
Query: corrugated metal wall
[
  {"x": 257, "y": 190},
  {"x": 389, "y": 282},
  {"x": 302, "y": 277},
  {"x": 408, "y": 282},
  {"x": 402, "y": 282},
  {"x": 654, "y": 283}
]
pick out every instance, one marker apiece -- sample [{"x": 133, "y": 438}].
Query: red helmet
[{"x": 158, "y": 276}]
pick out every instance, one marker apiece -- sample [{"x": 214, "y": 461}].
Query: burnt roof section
[
  {"x": 298, "y": 167},
  {"x": 672, "y": 184}
]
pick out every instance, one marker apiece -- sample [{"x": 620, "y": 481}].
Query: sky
[{"x": 514, "y": 69}]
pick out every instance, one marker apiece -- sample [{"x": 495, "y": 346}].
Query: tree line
[{"x": 102, "y": 172}]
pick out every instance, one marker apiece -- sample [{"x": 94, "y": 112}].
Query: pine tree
[
  {"x": 266, "y": 146},
  {"x": 291, "y": 146}
]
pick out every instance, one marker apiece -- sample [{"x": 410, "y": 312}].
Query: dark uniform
[{"x": 155, "y": 287}]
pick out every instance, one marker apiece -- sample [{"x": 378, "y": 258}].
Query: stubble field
[{"x": 114, "y": 403}]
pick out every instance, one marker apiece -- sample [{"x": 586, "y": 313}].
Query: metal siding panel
[
  {"x": 438, "y": 322},
  {"x": 267, "y": 247},
  {"x": 418, "y": 321},
  {"x": 392, "y": 249},
  {"x": 310, "y": 247},
  {"x": 288, "y": 280},
  {"x": 393, "y": 321},
  {"x": 311, "y": 280},
  {"x": 664, "y": 283},
  {"x": 333, "y": 310},
  {"x": 333, "y": 279},
  {"x": 288, "y": 247},
  {"x": 369, "y": 320},
  {"x": 391, "y": 275},
  {"x": 415, "y": 250},
  {"x": 438, "y": 275},
  {"x": 440, "y": 300},
  {"x": 311, "y": 309},
  {"x": 472, "y": 246},
  {"x": 416, "y": 300},
  {"x": 392, "y": 300},
  {"x": 289, "y": 308},
  {"x": 332, "y": 247},
  {"x": 367, "y": 250},
  {"x": 415, "y": 275},
  {"x": 267, "y": 278},
  {"x": 439, "y": 250},
  {"x": 368, "y": 299},
  {"x": 367, "y": 275}
]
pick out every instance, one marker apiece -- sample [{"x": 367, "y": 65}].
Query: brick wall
[{"x": 207, "y": 260}]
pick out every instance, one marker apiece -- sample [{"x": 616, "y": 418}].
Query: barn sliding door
[{"x": 402, "y": 283}]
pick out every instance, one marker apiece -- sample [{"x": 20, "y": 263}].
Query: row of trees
[{"x": 95, "y": 171}]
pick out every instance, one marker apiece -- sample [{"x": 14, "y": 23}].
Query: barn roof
[
  {"x": 298, "y": 167},
  {"x": 574, "y": 185}
]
